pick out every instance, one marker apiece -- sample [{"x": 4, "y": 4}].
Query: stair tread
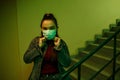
[
  {"x": 107, "y": 38},
  {"x": 94, "y": 69},
  {"x": 109, "y": 33},
  {"x": 114, "y": 28},
  {"x": 105, "y": 51},
  {"x": 100, "y": 56},
  {"x": 105, "y": 46},
  {"x": 110, "y": 43}
]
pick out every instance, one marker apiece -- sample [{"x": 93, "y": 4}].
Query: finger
[
  {"x": 56, "y": 39},
  {"x": 43, "y": 38}
]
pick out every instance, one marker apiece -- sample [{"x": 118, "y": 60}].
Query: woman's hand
[
  {"x": 42, "y": 41},
  {"x": 57, "y": 41}
]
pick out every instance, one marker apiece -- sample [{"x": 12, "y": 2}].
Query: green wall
[{"x": 79, "y": 20}]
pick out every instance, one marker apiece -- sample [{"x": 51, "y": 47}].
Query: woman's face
[
  {"x": 48, "y": 25},
  {"x": 49, "y": 29}
]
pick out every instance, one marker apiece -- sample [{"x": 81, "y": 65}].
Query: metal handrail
[{"x": 76, "y": 65}]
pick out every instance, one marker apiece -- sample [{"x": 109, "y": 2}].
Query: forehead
[{"x": 48, "y": 23}]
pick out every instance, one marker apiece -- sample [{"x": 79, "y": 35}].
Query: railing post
[
  {"x": 79, "y": 72},
  {"x": 114, "y": 58}
]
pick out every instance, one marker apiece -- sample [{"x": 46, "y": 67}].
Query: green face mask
[{"x": 49, "y": 34}]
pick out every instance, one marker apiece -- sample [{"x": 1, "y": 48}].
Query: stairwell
[{"x": 93, "y": 64}]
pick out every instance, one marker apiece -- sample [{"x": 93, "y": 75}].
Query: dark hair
[{"x": 49, "y": 16}]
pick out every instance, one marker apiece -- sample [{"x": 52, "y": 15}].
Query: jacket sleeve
[
  {"x": 63, "y": 54},
  {"x": 32, "y": 52}
]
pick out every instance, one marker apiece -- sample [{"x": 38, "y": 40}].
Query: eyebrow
[
  {"x": 48, "y": 27},
  {"x": 52, "y": 26}
]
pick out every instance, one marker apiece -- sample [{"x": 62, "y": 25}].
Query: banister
[{"x": 88, "y": 55}]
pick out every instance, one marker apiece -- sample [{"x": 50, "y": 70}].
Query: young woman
[{"x": 48, "y": 52}]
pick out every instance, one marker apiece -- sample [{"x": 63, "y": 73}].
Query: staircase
[{"x": 93, "y": 64}]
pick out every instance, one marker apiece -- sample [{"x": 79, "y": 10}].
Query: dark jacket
[{"x": 35, "y": 54}]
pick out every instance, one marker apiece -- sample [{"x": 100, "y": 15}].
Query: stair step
[
  {"x": 95, "y": 59},
  {"x": 117, "y": 77},
  {"x": 85, "y": 53},
  {"x": 109, "y": 33},
  {"x": 93, "y": 66},
  {"x": 114, "y": 28},
  {"x": 87, "y": 71},
  {"x": 118, "y": 22},
  {"x": 110, "y": 43},
  {"x": 73, "y": 76},
  {"x": 106, "y": 51}
]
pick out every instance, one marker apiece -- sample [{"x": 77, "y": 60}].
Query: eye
[
  {"x": 44, "y": 28},
  {"x": 52, "y": 27}
]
